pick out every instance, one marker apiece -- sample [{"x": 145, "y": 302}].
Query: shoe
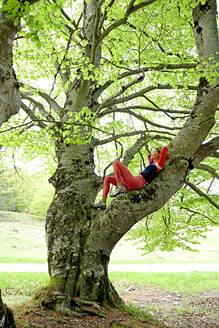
[
  {"x": 118, "y": 191},
  {"x": 100, "y": 205}
]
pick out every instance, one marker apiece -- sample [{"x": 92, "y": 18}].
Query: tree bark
[
  {"x": 77, "y": 267},
  {"x": 9, "y": 89},
  {"x": 6, "y": 316},
  {"x": 9, "y": 92}
]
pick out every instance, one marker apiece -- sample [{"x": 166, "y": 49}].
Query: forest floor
[{"x": 150, "y": 308}]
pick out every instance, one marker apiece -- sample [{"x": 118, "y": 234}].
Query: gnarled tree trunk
[{"x": 76, "y": 259}]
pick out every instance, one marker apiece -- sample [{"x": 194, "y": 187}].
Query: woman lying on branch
[{"x": 125, "y": 181}]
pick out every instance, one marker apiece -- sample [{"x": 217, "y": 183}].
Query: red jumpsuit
[{"x": 134, "y": 182}]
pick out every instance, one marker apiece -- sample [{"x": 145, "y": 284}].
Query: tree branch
[
  {"x": 105, "y": 14},
  {"x": 49, "y": 99},
  {"x": 38, "y": 105},
  {"x": 123, "y": 89},
  {"x": 27, "y": 125},
  {"x": 64, "y": 76},
  {"x": 157, "y": 109},
  {"x": 130, "y": 10},
  {"x": 66, "y": 15},
  {"x": 138, "y": 116},
  {"x": 141, "y": 93},
  {"x": 201, "y": 193},
  {"x": 32, "y": 115},
  {"x": 198, "y": 213},
  {"x": 210, "y": 148},
  {"x": 141, "y": 70},
  {"x": 130, "y": 134},
  {"x": 130, "y": 152},
  {"x": 208, "y": 168}
]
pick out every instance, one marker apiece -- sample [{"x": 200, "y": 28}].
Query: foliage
[
  {"x": 150, "y": 50},
  {"x": 20, "y": 191},
  {"x": 184, "y": 219}
]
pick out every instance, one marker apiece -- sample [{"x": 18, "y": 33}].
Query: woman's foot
[
  {"x": 118, "y": 190},
  {"x": 100, "y": 205}
]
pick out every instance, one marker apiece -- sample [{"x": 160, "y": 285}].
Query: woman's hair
[
  {"x": 168, "y": 155},
  {"x": 158, "y": 149}
]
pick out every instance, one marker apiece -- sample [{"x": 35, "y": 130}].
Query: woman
[{"x": 125, "y": 181}]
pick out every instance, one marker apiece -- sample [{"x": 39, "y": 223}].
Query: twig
[{"x": 195, "y": 212}]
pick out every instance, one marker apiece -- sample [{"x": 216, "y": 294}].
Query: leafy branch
[
  {"x": 197, "y": 213},
  {"x": 142, "y": 70},
  {"x": 207, "y": 168},
  {"x": 52, "y": 103},
  {"x": 138, "y": 116},
  {"x": 140, "y": 93},
  {"x": 201, "y": 193},
  {"x": 130, "y": 10}
]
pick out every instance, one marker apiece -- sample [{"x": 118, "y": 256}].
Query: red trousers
[{"x": 122, "y": 174}]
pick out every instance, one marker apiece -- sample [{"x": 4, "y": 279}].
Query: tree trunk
[
  {"x": 78, "y": 264},
  {"x": 9, "y": 93},
  {"x": 6, "y": 316}
]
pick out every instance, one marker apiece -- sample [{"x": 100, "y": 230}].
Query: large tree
[{"x": 110, "y": 57}]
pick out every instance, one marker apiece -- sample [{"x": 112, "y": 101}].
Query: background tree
[
  {"x": 107, "y": 58},
  {"x": 10, "y": 13}
]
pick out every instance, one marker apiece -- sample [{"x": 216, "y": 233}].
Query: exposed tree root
[{"x": 68, "y": 306}]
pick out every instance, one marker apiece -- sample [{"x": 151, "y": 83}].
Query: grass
[
  {"x": 139, "y": 313},
  {"x": 22, "y": 239},
  {"x": 183, "y": 283},
  {"x": 20, "y": 287}
]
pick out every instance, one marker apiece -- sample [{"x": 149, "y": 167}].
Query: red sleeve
[{"x": 162, "y": 158}]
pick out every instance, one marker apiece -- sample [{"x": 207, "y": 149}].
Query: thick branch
[
  {"x": 130, "y": 152},
  {"x": 210, "y": 148},
  {"x": 202, "y": 194}
]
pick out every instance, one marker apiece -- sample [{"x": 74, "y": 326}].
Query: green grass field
[
  {"x": 19, "y": 287},
  {"x": 22, "y": 239}
]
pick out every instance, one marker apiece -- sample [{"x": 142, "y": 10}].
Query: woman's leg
[
  {"x": 125, "y": 177},
  {"x": 106, "y": 186}
]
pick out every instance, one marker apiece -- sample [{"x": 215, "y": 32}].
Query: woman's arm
[{"x": 162, "y": 158}]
